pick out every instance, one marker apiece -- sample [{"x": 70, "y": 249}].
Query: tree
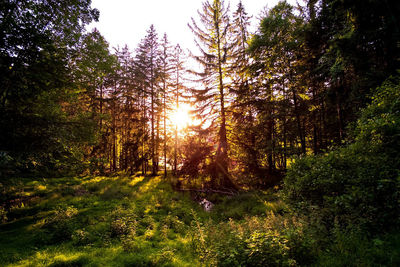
[
  {"x": 276, "y": 51},
  {"x": 37, "y": 41},
  {"x": 353, "y": 54},
  {"x": 151, "y": 42},
  {"x": 129, "y": 123},
  {"x": 148, "y": 74},
  {"x": 243, "y": 134},
  {"x": 356, "y": 184},
  {"x": 240, "y": 58},
  {"x": 141, "y": 83},
  {"x": 215, "y": 47},
  {"x": 178, "y": 89},
  {"x": 166, "y": 69},
  {"x": 95, "y": 70}
]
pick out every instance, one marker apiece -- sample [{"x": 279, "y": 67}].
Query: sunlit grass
[
  {"x": 136, "y": 180},
  {"x": 71, "y": 224},
  {"x": 141, "y": 221}
]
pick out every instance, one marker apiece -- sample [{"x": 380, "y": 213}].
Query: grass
[
  {"x": 141, "y": 221},
  {"x": 113, "y": 221}
]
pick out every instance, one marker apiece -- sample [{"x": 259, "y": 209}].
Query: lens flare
[{"x": 181, "y": 117}]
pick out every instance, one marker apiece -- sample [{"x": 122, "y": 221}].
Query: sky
[{"x": 126, "y": 21}]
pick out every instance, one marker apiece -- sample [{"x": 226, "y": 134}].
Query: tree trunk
[
  {"x": 153, "y": 154},
  {"x": 144, "y": 134},
  {"x": 222, "y": 151},
  {"x": 176, "y": 127},
  {"x": 298, "y": 120},
  {"x": 158, "y": 141},
  {"x": 339, "y": 116},
  {"x": 114, "y": 141},
  {"x": 271, "y": 166},
  {"x": 165, "y": 131}
]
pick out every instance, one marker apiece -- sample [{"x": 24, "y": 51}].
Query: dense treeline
[
  {"x": 291, "y": 88},
  {"x": 43, "y": 126}
]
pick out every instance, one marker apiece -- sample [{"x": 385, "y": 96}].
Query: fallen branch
[{"x": 208, "y": 191}]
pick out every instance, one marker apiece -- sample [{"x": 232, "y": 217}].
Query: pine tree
[
  {"x": 177, "y": 90},
  {"x": 153, "y": 54},
  {"x": 166, "y": 69},
  {"x": 276, "y": 55},
  {"x": 215, "y": 47},
  {"x": 148, "y": 53},
  {"x": 241, "y": 35},
  {"x": 95, "y": 71},
  {"x": 243, "y": 109},
  {"x": 140, "y": 70},
  {"x": 129, "y": 126}
]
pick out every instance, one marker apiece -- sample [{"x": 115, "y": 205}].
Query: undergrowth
[{"x": 141, "y": 221}]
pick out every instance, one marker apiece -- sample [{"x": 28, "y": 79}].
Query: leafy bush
[
  {"x": 3, "y": 215},
  {"x": 61, "y": 226},
  {"x": 175, "y": 224},
  {"x": 122, "y": 223},
  {"x": 359, "y": 183},
  {"x": 81, "y": 237},
  {"x": 350, "y": 247},
  {"x": 254, "y": 241},
  {"x": 268, "y": 249},
  {"x": 6, "y": 164}
]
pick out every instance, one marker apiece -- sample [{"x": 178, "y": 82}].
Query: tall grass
[{"x": 141, "y": 221}]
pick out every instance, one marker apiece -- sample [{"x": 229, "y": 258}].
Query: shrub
[
  {"x": 81, "y": 237},
  {"x": 350, "y": 247},
  {"x": 122, "y": 223},
  {"x": 254, "y": 241},
  {"x": 173, "y": 223},
  {"x": 359, "y": 183},
  {"x": 61, "y": 226},
  {"x": 3, "y": 215},
  {"x": 268, "y": 249}
]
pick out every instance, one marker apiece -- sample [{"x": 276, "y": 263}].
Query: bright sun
[{"x": 181, "y": 117}]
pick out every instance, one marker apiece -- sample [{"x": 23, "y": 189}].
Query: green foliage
[
  {"x": 268, "y": 248},
  {"x": 38, "y": 40},
  {"x": 359, "y": 183},
  {"x": 353, "y": 248},
  {"x": 197, "y": 154},
  {"x": 67, "y": 222},
  {"x": 3, "y": 215},
  {"x": 95, "y": 221},
  {"x": 123, "y": 223},
  {"x": 248, "y": 204},
  {"x": 76, "y": 262},
  {"x": 60, "y": 226},
  {"x": 67, "y": 104},
  {"x": 254, "y": 241}
]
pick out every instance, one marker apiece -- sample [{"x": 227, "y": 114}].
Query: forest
[{"x": 274, "y": 146}]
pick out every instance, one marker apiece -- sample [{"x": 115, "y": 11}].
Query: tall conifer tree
[
  {"x": 166, "y": 69},
  {"x": 212, "y": 39},
  {"x": 243, "y": 109},
  {"x": 149, "y": 53},
  {"x": 178, "y": 89}
]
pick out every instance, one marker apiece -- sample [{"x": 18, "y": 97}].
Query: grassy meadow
[
  {"x": 111, "y": 221},
  {"x": 140, "y": 221}
]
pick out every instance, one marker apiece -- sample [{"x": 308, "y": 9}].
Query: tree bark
[{"x": 222, "y": 151}]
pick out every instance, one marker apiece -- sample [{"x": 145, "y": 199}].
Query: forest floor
[
  {"x": 142, "y": 221},
  {"x": 111, "y": 221}
]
